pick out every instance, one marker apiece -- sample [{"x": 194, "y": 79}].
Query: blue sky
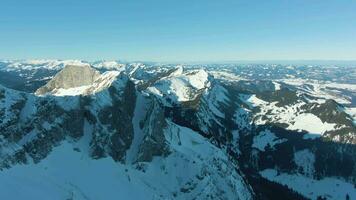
[{"x": 180, "y": 30}]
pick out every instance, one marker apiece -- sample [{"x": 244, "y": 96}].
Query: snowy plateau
[{"x": 77, "y": 130}]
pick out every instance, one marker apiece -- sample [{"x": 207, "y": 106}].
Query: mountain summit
[{"x": 71, "y": 76}]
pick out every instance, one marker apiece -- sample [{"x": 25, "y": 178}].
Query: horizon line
[{"x": 237, "y": 61}]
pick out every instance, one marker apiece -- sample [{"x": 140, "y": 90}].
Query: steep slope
[
  {"x": 238, "y": 116},
  {"x": 72, "y": 76},
  {"x": 194, "y": 170},
  {"x": 33, "y": 125},
  {"x": 100, "y": 131}
]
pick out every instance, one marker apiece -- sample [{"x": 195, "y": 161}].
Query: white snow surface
[
  {"x": 217, "y": 96},
  {"x": 194, "y": 165},
  {"x": 139, "y": 114},
  {"x": 42, "y": 64},
  {"x": 255, "y": 101},
  {"x": 277, "y": 86},
  {"x": 66, "y": 174},
  {"x": 110, "y": 65},
  {"x": 70, "y": 91},
  {"x": 226, "y": 76},
  {"x": 330, "y": 187},
  {"x": 266, "y": 138},
  {"x": 290, "y": 115},
  {"x": 311, "y": 123},
  {"x": 180, "y": 86},
  {"x": 352, "y": 113},
  {"x": 59, "y": 64},
  {"x": 190, "y": 145},
  {"x": 305, "y": 160},
  {"x": 322, "y": 89}
]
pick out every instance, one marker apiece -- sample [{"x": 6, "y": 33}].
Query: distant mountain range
[{"x": 106, "y": 129}]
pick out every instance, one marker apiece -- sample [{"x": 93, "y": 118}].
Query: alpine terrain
[{"x": 78, "y": 130}]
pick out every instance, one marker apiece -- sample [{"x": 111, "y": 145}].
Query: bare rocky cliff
[{"x": 70, "y": 77}]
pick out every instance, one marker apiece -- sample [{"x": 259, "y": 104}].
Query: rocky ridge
[{"x": 226, "y": 135}]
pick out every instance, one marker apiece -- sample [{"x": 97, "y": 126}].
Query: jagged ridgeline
[{"x": 161, "y": 132}]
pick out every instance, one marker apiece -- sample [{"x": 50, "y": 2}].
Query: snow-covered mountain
[{"x": 137, "y": 131}]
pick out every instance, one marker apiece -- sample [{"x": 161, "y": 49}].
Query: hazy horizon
[{"x": 282, "y": 62}]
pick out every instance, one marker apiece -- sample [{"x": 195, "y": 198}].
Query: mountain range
[{"x": 103, "y": 130}]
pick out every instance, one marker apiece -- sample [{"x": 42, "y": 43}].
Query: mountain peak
[{"x": 71, "y": 76}]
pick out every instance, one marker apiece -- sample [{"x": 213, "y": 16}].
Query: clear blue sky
[{"x": 180, "y": 30}]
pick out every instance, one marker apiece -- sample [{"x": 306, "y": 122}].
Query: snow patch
[
  {"x": 180, "y": 86},
  {"x": 70, "y": 91},
  {"x": 254, "y": 101},
  {"x": 266, "y": 138},
  {"x": 305, "y": 160},
  {"x": 311, "y": 123},
  {"x": 277, "y": 86},
  {"x": 332, "y": 188}
]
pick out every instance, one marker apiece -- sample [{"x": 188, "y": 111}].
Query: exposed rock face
[
  {"x": 114, "y": 131},
  {"x": 154, "y": 143},
  {"x": 99, "y": 125},
  {"x": 70, "y": 77},
  {"x": 37, "y": 124}
]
